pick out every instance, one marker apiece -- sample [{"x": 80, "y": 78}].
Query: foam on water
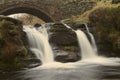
[
  {"x": 39, "y": 37},
  {"x": 39, "y": 45}
]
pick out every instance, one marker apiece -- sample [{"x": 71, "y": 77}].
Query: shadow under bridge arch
[{"x": 38, "y": 13}]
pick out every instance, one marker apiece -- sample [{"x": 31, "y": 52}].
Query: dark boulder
[
  {"x": 61, "y": 35},
  {"x": 13, "y": 47},
  {"x": 80, "y": 26},
  {"x": 66, "y": 41},
  {"x": 63, "y": 56},
  {"x": 37, "y": 25}
]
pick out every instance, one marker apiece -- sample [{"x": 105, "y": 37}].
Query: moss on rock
[
  {"x": 106, "y": 25},
  {"x": 12, "y": 43}
]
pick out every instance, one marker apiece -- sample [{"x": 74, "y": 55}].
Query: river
[
  {"x": 82, "y": 72},
  {"x": 91, "y": 67}
]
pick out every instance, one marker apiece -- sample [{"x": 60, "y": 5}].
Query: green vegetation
[
  {"x": 106, "y": 24},
  {"x": 12, "y": 46}
]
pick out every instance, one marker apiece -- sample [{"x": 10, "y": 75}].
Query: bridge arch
[
  {"x": 46, "y": 10},
  {"x": 38, "y": 13}
]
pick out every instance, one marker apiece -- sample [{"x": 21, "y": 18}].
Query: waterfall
[
  {"x": 92, "y": 39},
  {"x": 93, "y": 42},
  {"x": 38, "y": 41},
  {"x": 87, "y": 50},
  {"x": 39, "y": 45}
]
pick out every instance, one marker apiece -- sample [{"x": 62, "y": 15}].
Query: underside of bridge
[{"x": 28, "y": 10}]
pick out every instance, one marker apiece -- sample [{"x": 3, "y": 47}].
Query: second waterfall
[{"x": 87, "y": 50}]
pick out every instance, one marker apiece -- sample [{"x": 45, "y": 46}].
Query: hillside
[{"x": 104, "y": 20}]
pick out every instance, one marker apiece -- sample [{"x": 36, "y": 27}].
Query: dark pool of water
[{"x": 86, "y": 72}]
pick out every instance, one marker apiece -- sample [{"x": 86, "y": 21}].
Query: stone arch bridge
[
  {"x": 44, "y": 10},
  {"x": 47, "y": 10}
]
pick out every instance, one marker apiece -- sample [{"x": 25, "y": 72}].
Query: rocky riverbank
[{"x": 13, "y": 44}]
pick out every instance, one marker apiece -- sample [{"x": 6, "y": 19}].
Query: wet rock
[
  {"x": 63, "y": 38},
  {"x": 66, "y": 41},
  {"x": 13, "y": 46},
  {"x": 37, "y": 25},
  {"x": 31, "y": 62},
  {"x": 63, "y": 56},
  {"x": 61, "y": 35},
  {"x": 77, "y": 25}
]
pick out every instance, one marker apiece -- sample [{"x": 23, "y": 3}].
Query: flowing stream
[
  {"x": 86, "y": 49},
  {"x": 91, "y": 67},
  {"x": 38, "y": 41}
]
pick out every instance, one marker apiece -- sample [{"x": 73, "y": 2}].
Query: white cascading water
[
  {"x": 87, "y": 50},
  {"x": 38, "y": 41},
  {"x": 92, "y": 39},
  {"x": 93, "y": 43}
]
